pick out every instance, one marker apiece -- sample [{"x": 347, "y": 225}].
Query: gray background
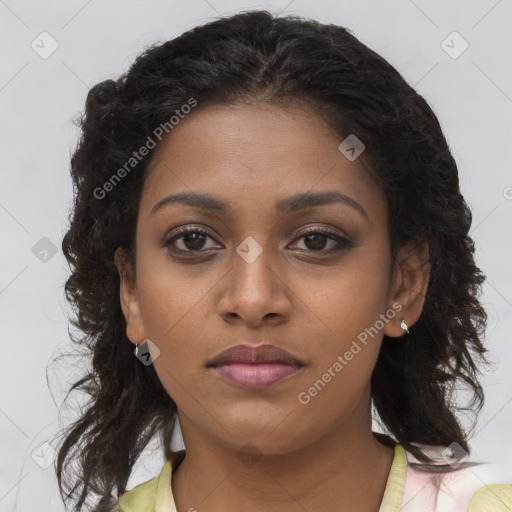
[{"x": 39, "y": 97}]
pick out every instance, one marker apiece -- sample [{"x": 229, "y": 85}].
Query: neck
[{"x": 346, "y": 469}]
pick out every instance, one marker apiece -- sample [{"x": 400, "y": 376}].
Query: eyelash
[{"x": 342, "y": 242}]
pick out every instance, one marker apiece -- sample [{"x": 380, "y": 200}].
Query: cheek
[
  {"x": 174, "y": 308},
  {"x": 173, "y": 313},
  {"x": 172, "y": 300},
  {"x": 348, "y": 298},
  {"x": 344, "y": 318}
]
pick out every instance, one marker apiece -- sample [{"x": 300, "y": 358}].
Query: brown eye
[
  {"x": 190, "y": 240},
  {"x": 316, "y": 240}
]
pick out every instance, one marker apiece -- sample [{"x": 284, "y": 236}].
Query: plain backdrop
[{"x": 40, "y": 95}]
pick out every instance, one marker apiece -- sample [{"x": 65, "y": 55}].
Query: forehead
[{"x": 254, "y": 155}]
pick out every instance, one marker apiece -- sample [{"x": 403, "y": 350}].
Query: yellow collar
[{"x": 394, "y": 491}]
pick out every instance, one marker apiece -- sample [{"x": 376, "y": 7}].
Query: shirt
[{"x": 408, "y": 489}]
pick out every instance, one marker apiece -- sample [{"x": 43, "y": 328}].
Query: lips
[
  {"x": 255, "y": 367},
  {"x": 248, "y": 354}
]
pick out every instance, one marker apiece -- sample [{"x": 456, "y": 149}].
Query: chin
[
  {"x": 259, "y": 446},
  {"x": 267, "y": 438}
]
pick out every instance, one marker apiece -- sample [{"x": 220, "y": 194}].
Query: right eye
[{"x": 190, "y": 239}]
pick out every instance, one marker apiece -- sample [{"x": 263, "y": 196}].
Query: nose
[{"x": 255, "y": 292}]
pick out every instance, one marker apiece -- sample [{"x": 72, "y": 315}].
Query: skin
[{"x": 318, "y": 456}]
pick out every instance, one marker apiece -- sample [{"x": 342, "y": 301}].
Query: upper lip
[{"x": 248, "y": 354}]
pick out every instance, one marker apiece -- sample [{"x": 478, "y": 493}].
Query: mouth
[{"x": 255, "y": 367}]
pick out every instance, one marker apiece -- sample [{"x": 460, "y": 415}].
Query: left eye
[{"x": 315, "y": 240}]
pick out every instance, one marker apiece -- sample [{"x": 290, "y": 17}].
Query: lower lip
[{"x": 255, "y": 376}]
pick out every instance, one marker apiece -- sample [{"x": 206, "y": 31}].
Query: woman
[{"x": 268, "y": 239}]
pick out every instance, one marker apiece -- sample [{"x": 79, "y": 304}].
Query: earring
[
  {"x": 137, "y": 346},
  {"x": 403, "y": 325}
]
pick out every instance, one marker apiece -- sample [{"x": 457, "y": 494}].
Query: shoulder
[
  {"x": 467, "y": 487},
  {"x": 139, "y": 499},
  {"x": 492, "y": 498},
  {"x": 155, "y": 494}
]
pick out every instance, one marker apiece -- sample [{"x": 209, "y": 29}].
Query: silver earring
[
  {"x": 403, "y": 325},
  {"x": 137, "y": 346}
]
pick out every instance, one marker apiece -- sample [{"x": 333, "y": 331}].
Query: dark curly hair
[{"x": 256, "y": 56}]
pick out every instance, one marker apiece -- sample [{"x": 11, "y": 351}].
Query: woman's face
[{"x": 251, "y": 276}]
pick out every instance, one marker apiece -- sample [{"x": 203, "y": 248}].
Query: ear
[
  {"x": 129, "y": 298},
  {"x": 409, "y": 285}
]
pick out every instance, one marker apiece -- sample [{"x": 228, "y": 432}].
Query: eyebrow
[{"x": 285, "y": 206}]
